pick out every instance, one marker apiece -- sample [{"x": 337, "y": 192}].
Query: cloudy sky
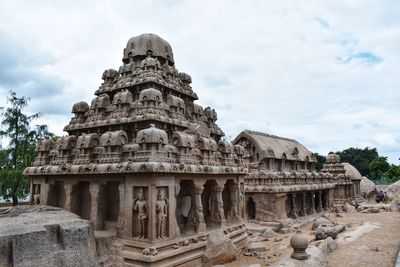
[{"x": 326, "y": 73}]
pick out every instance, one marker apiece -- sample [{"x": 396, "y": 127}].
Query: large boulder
[
  {"x": 393, "y": 191},
  {"x": 219, "y": 249},
  {"x": 45, "y": 236},
  {"x": 366, "y": 186}
]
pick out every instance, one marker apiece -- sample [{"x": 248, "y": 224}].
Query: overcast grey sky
[{"x": 325, "y": 73}]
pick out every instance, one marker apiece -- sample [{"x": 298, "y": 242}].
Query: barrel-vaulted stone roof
[{"x": 271, "y": 146}]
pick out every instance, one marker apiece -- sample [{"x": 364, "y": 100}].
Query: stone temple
[{"x": 145, "y": 162}]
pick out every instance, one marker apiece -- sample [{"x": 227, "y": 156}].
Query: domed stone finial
[
  {"x": 333, "y": 158},
  {"x": 299, "y": 243}
]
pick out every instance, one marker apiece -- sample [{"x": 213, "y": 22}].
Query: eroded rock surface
[
  {"x": 45, "y": 236},
  {"x": 366, "y": 186}
]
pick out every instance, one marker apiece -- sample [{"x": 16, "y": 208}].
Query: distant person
[
  {"x": 378, "y": 196},
  {"x": 385, "y": 198}
]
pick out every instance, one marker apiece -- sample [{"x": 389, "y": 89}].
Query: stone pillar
[
  {"x": 151, "y": 213},
  {"x": 324, "y": 195},
  {"x": 280, "y": 202},
  {"x": 69, "y": 199},
  {"x": 234, "y": 203},
  {"x": 303, "y": 211},
  {"x": 312, "y": 203},
  {"x": 95, "y": 206},
  {"x": 120, "y": 223},
  {"x": 319, "y": 206},
  {"x": 293, "y": 208},
  {"x": 44, "y": 194},
  {"x": 220, "y": 203},
  {"x": 128, "y": 227},
  {"x": 200, "y": 222}
]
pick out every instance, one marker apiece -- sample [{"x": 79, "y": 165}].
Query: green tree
[
  {"x": 359, "y": 158},
  {"x": 22, "y": 139},
  {"x": 320, "y": 161},
  {"x": 393, "y": 173},
  {"x": 378, "y": 167}
]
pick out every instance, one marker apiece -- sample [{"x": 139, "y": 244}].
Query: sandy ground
[
  {"x": 376, "y": 248},
  {"x": 376, "y": 244}
]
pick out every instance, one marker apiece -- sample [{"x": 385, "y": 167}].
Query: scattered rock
[
  {"x": 324, "y": 231},
  {"x": 372, "y": 210},
  {"x": 340, "y": 228},
  {"x": 327, "y": 245},
  {"x": 321, "y": 221},
  {"x": 284, "y": 230},
  {"x": 255, "y": 229},
  {"x": 273, "y": 225},
  {"x": 269, "y": 233},
  {"x": 299, "y": 224},
  {"x": 394, "y": 206},
  {"x": 278, "y": 239},
  {"x": 338, "y": 209},
  {"x": 349, "y": 208},
  {"x": 257, "y": 247},
  {"x": 330, "y": 216}
]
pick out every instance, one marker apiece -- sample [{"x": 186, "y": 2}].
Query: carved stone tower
[{"x": 147, "y": 162}]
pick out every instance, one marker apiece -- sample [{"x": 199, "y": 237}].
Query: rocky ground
[
  {"x": 369, "y": 239},
  {"x": 376, "y": 248}
]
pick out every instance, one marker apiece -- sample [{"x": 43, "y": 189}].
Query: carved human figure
[
  {"x": 36, "y": 195},
  {"x": 140, "y": 205},
  {"x": 162, "y": 213}
]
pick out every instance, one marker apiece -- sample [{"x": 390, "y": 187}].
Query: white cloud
[{"x": 325, "y": 73}]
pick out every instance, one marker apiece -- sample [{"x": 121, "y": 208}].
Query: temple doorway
[{"x": 251, "y": 208}]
